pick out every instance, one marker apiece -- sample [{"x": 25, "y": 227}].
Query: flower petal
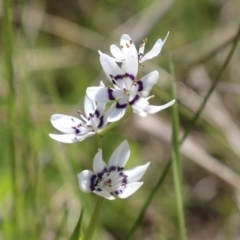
[
  {"x": 105, "y": 194},
  {"x": 131, "y": 67},
  {"x": 84, "y": 180},
  {"x": 146, "y": 83},
  {"x": 65, "y": 138},
  {"x": 155, "y": 50},
  {"x": 112, "y": 70},
  {"x": 136, "y": 173},
  {"x": 117, "y": 53},
  {"x": 103, "y": 94},
  {"x": 99, "y": 165},
  {"x": 126, "y": 43},
  {"x": 130, "y": 189},
  {"x": 89, "y": 106},
  {"x": 86, "y": 135},
  {"x": 120, "y": 156},
  {"x": 150, "y": 109},
  {"x": 117, "y": 110},
  {"x": 64, "y": 123},
  {"x": 139, "y": 106}
]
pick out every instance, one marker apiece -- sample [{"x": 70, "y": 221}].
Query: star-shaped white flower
[
  {"x": 112, "y": 180},
  {"x": 75, "y": 129},
  {"x": 126, "y": 43},
  {"x": 127, "y": 89}
]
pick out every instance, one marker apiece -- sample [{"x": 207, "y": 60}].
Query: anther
[{"x": 127, "y": 45}]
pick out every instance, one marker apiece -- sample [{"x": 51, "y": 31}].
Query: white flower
[
  {"x": 127, "y": 90},
  {"x": 75, "y": 129},
  {"x": 112, "y": 180},
  {"x": 126, "y": 43}
]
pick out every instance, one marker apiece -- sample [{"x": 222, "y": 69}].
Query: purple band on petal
[
  {"x": 119, "y": 191},
  {"x": 100, "y": 122},
  {"x": 118, "y": 105},
  {"x": 102, "y": 173},
  {"x": 112, "y": 168},
  {"x": 77, "y": 131},
  {"x": 110, "y": 94},
  {"x": 140, "y": 86},
  {"x": 93, "y": 182},
  {"x": 134, "y": 100},
  {"x": 97, "y": 113},
  {"x": 129, "y": 75},
  {"x": 124, "y": 180},
  {"x": 118, "y": 77},
  {"x": 120, "y": 169}
]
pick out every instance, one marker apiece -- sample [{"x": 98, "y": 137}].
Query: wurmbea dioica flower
[
  {"x": 112, "y": 180},
  {"x": 75, "y": 129},
  {"x": 119, "y": 54},
  {"x": 127, "y": 89}
]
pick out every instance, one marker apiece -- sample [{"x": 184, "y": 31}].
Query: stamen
[
  {"x": 79, "y": 112},
  {"x": 128, "y": 46}
]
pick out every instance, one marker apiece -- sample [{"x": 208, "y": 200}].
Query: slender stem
[
  {"x": 11, "y": 100},
  {"x": 217, "y": 78},
  {"x": 94, "y": 218},
  {"x": 167, "y": 167},
  {"x": 99, "y": 202},
  {"x": 176, "y": 162}
]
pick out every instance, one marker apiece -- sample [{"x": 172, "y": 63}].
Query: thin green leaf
[{"x": 77, "y": 231}]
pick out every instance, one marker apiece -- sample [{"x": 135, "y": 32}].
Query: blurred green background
[{"x": 55, "y": 59}]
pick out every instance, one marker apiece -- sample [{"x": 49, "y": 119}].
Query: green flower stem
[
  {"x": 176, "y": 162},
  {"x": 217, "y": 78},
  {"x": 100, "y": 200},
  {"x": 168, "y": 165},
  {"x": 94, "y": 218}
]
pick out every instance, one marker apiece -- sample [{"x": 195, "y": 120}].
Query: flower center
[{"x": 112, "y": 181}]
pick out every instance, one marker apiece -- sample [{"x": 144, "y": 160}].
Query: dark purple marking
[
  {"x": 97, "y": 113},
  {"x": 117, "y": 77},
  {"x": 98, "y": 189},
  {"x": 110, "y": 94},
  {"x": 93, "y": 182},
  {"x": 124, "y": 180},
  {"x": 112, "y": 168},
  {"x": 119, "y": 105},
  {"x": 134, "y": 100},
  {"x": 102, "y": 173},
  {"x": 120, "y": 191},
  {"x": 140, "y": 86},
  {"x": 130, "y": 76},
  {"x": 101, "y": 122},
  {"x": 120, "y": 169},
  {"x": 77, "y": 131}
]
